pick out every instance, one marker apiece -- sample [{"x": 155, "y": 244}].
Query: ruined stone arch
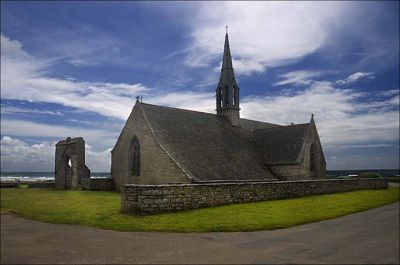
[{"x": 69, "y": 176}]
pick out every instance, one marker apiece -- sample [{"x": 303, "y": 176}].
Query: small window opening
[
  {"x": 312, "y": 158},
  {"x": 135, "y": 159}
]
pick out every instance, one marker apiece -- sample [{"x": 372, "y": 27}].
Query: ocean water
[
  {"x": 383, "y": 172},
  {"x": 31, "y": 176},
  {"x": 50, "y": 175}
]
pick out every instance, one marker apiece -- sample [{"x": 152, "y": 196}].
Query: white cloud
[
  {"x": 389, "y": 93},
  {"x": 341, "y": 118},
  {"x": 24, "y": 78},
  {"x": 262, "y": 34},
  {"x": 83, "y": 62},
  {"x": 32, "y": 129},
  {"x": 17, "y": 155},
  {"x": 10, "y": 109},
  {"x": 98, "y": 161},
  {"x": 198, "y": 101},
  {"x": 355, "y": 77},
  {"x": 298, "y": 77}
]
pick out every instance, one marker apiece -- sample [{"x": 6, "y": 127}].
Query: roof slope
[
  {"x": 205, "y": 144},
  {"x": 280, "y": 145}
]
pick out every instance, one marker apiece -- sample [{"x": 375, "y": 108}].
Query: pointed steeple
[
  {"x": 227, "y": 58},
  {"x": 227, "y": 92}
]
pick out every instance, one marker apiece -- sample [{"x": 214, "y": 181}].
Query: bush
[{"x": 369, "y": 175}]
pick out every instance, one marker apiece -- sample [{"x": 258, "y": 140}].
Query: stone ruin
[{"x": 70, "y": 169}]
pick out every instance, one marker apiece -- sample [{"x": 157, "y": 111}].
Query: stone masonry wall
[
  {"x": 40, "y": 184},
  {"x": 97, "y": 184},
  {"x": 149, "y": 199}
]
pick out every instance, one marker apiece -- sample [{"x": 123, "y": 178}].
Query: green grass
[{"x": 102, "y": 209}]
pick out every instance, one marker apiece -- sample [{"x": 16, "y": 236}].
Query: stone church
[{"x": 164, "y": 145}]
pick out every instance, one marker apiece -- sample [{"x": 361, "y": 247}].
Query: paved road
[{"x": 367, "y": 237}]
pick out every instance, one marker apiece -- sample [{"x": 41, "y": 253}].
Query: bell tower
[{"x": 227, "y": 92}]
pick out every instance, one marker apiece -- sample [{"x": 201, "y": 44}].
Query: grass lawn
[{"x": 102, "y": 209}]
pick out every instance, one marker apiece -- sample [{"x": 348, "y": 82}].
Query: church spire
[
  {"x": 227, "y": 58},
  {"x": 227, "y": 92}
]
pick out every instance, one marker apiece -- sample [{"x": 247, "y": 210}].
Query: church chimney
[{"x": 227, "y": 92}]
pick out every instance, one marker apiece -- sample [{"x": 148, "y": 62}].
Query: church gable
[
  {"x": 312, "y": 155},
  {"x": 138, "y": 158}
]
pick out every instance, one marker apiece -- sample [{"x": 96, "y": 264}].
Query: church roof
[
  {"x": 205, "y": 145},
  {"x": 280, "y": 145},
  {"x": 210, "y": 149},
  {"x": 254, "y": 125}
]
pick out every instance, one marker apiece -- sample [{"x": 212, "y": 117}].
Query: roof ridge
[
  {"x": 261, "y": 121},
  {"x": 206, "y": 113},
  {"x": 285, "y": 126},
  {"x": 187, "y": 110}
]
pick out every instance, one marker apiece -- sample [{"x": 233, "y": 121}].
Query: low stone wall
[
  {"x": 148, "y": 199},
  {"x": 40, "y": 184},
  {"x": 97, "y": 184},
  {"x": 9, "y": 184}
]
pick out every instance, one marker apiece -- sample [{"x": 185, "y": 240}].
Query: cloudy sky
[{"x": 75, "y": 68}]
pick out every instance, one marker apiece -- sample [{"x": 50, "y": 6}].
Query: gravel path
[{"x": 363, "y": 238}]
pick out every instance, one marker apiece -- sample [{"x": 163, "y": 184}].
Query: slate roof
[
  {"x": 206, "y": 145},
  {"x": 280, "y": 145},
  {"x": 210, "y": 149},
  {"x": 254, "y": 125}
]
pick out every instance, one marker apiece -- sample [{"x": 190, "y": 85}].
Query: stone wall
[
  {"x": 97, "y": 184},
  {"x": 9, "y": 184},
  {"x": 40, "y": 184},
  {"x": 145, "y": 199}
]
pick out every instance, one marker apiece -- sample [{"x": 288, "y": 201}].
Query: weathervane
[{"x": 226, "y": 27}]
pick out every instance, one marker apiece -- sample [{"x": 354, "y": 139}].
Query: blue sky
[{"x": 75, "y": 68}]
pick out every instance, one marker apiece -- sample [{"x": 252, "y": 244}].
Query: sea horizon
[{"x": 49, "y": 175}]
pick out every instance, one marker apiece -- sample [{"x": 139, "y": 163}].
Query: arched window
[
  {"x": 135, "y": 157},
  {"x": 312, "y": 158}
]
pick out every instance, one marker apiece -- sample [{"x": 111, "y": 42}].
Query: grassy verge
[{"x": 102, "y": 209}]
